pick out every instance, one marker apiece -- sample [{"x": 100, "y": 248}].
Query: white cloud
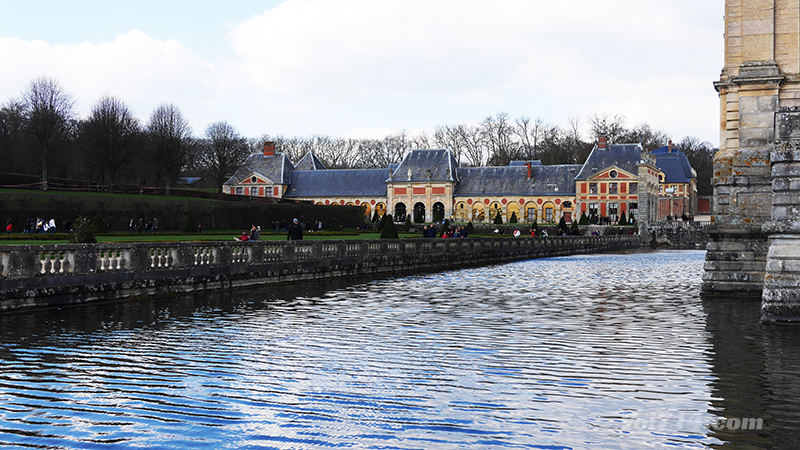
[
  {"x": 488, "y": 55},
  {"x": 351, "y": 66},
  {"x": 142, "y": 71}
]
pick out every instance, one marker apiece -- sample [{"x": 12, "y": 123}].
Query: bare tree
[
  {"x": 12, "y": 136},
  {"x": 110, "y": 137},
  {"x": 49, "y": 119},
  {"x": 612, "y": 127},
  {"x": 222, "y": 152},
  {"x": 701, "y": 157},
  {"x": 473, "y": 143},
  {"x": 498, "y": 133},
  {"x": 171, "y": 142},
  {"x": 450, "y": 137},
  {"x": 649, "y": 137}
]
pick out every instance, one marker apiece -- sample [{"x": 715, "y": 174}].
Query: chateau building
[{"x": 430, "y": 185}]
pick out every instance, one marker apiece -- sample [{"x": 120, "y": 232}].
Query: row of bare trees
[{"x": 40, "y": 133}]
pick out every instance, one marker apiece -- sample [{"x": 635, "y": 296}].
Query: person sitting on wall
[
  {"x": 516, "y": 232},
  {"x": 244, "y": 237},
  {"x": 295, "y": 232}
]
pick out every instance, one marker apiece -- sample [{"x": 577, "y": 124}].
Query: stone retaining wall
[{"x": 45, "y": 275}]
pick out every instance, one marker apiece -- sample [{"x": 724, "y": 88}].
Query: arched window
[
  {"x": 438, "y": 211},
  {"x": 419, "y": 212},
  {"x": 478, "y": 212},
  {"x": 494, "y": 210},
  {"x": 400, "y": 212},
  {"x": 513, "y": 208},
  {"x": 462, "y": 212}
]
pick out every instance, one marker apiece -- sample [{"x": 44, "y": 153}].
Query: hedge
[{"x": 118, "y": 210}]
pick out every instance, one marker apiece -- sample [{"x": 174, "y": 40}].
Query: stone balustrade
[{"x": 73, "y": 273}]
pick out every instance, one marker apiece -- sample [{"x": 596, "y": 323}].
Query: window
[
  {"x": 548, "y": 214},
  {"x": 613, "y": 174},
  {"x": 253, "y": 179},
  {"x": 633, "y": 209},
  {"x": 633, "y": 188},
  {"x": 612, "y": 188},
  {"x": 593, "y": 209},
  {"x": 254, "y": 191},
  {"x": 531, "y": 215},
  {"x": 613, "y": 211},
  {"x": 239, "y": 190},
  {"x": 593, "y": 188}
]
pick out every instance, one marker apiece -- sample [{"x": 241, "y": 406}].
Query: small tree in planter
[
  {"x": 498, "y": 217},
  {"x": 574, "y": 228},
  {"x": 584, "y": 220},
  {"x": 82, "y": 232},
  {"x": 407, "y": 225},
  {"x": 189, "y": 226},
  {"x": 470, "y": 228},
  {"x": 562, "y": 226},
  {"x": 513, "y": 218},
  {"x": 389, "y": 231},
  {"x": 593, "y": 219},
  {"x": 99, "y": 225},
  {"x": 535, "y": 227},
  {"x": 623, "y": 219}
]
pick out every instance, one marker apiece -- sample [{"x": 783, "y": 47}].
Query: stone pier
[
  {"x": 761, "y": 75},
  {"x": 781, "y": 296}
]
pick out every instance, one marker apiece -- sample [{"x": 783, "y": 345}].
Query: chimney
[
  {"x": 269, "y": 149},
  {"x": 528, "y": 165},
  {"x": 669, "y": 143},
  {"x": 601, "y": 142}
]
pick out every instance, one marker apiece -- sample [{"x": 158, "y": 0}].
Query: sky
[{"x": 368, "y": 68}]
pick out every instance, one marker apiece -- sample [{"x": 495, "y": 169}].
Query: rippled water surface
[{"x": 600, "y": 351}]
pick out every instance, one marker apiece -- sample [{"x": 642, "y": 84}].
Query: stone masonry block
[
  {"x": 786, "y": 170},
  {"x": 785, "y": 198},
  {"x": 781, "y": 184},
  {"x": 783, "y": 251}
]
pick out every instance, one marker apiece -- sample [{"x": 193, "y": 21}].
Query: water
[{"x": 599, "y": 351}]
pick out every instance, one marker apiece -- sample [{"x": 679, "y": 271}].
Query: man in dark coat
[{"x": 295, "y": 232}]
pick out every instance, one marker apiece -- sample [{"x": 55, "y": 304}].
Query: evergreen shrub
[
  {"x": 389, "y": 231},
  {"x": 82, "y": 233},
  {"x": 99, "y": 224},
  {"x": 189, "y": 226}
]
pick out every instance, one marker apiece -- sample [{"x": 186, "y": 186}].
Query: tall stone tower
[{"x": 761, "y": 76}]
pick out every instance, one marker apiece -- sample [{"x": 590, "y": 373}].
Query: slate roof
[
  {"x": 624, "y": 156},
  {"x": 675, "y": 165},
  {"x": 310, "y": 162},
  {"x": 275, "y": 167},
  {"x": 426, "y": 165},
  {"x": 338, "y": 183},
  {"x": 513, "y": 180},
  {"x": 534, "y": 162}
]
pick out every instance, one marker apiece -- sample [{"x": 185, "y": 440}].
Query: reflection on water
[{"x": 600, "y": 351}]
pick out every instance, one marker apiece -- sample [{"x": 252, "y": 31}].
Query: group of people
[
  {"x": 305, "y": 225},
  {"x": 429, "y": 231},
  {"x": 37, "y": 226},
  {"x": 294, "y": 232},
  {"x": 253, "y": 235},
  {"x": 138, "y": 227}
]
